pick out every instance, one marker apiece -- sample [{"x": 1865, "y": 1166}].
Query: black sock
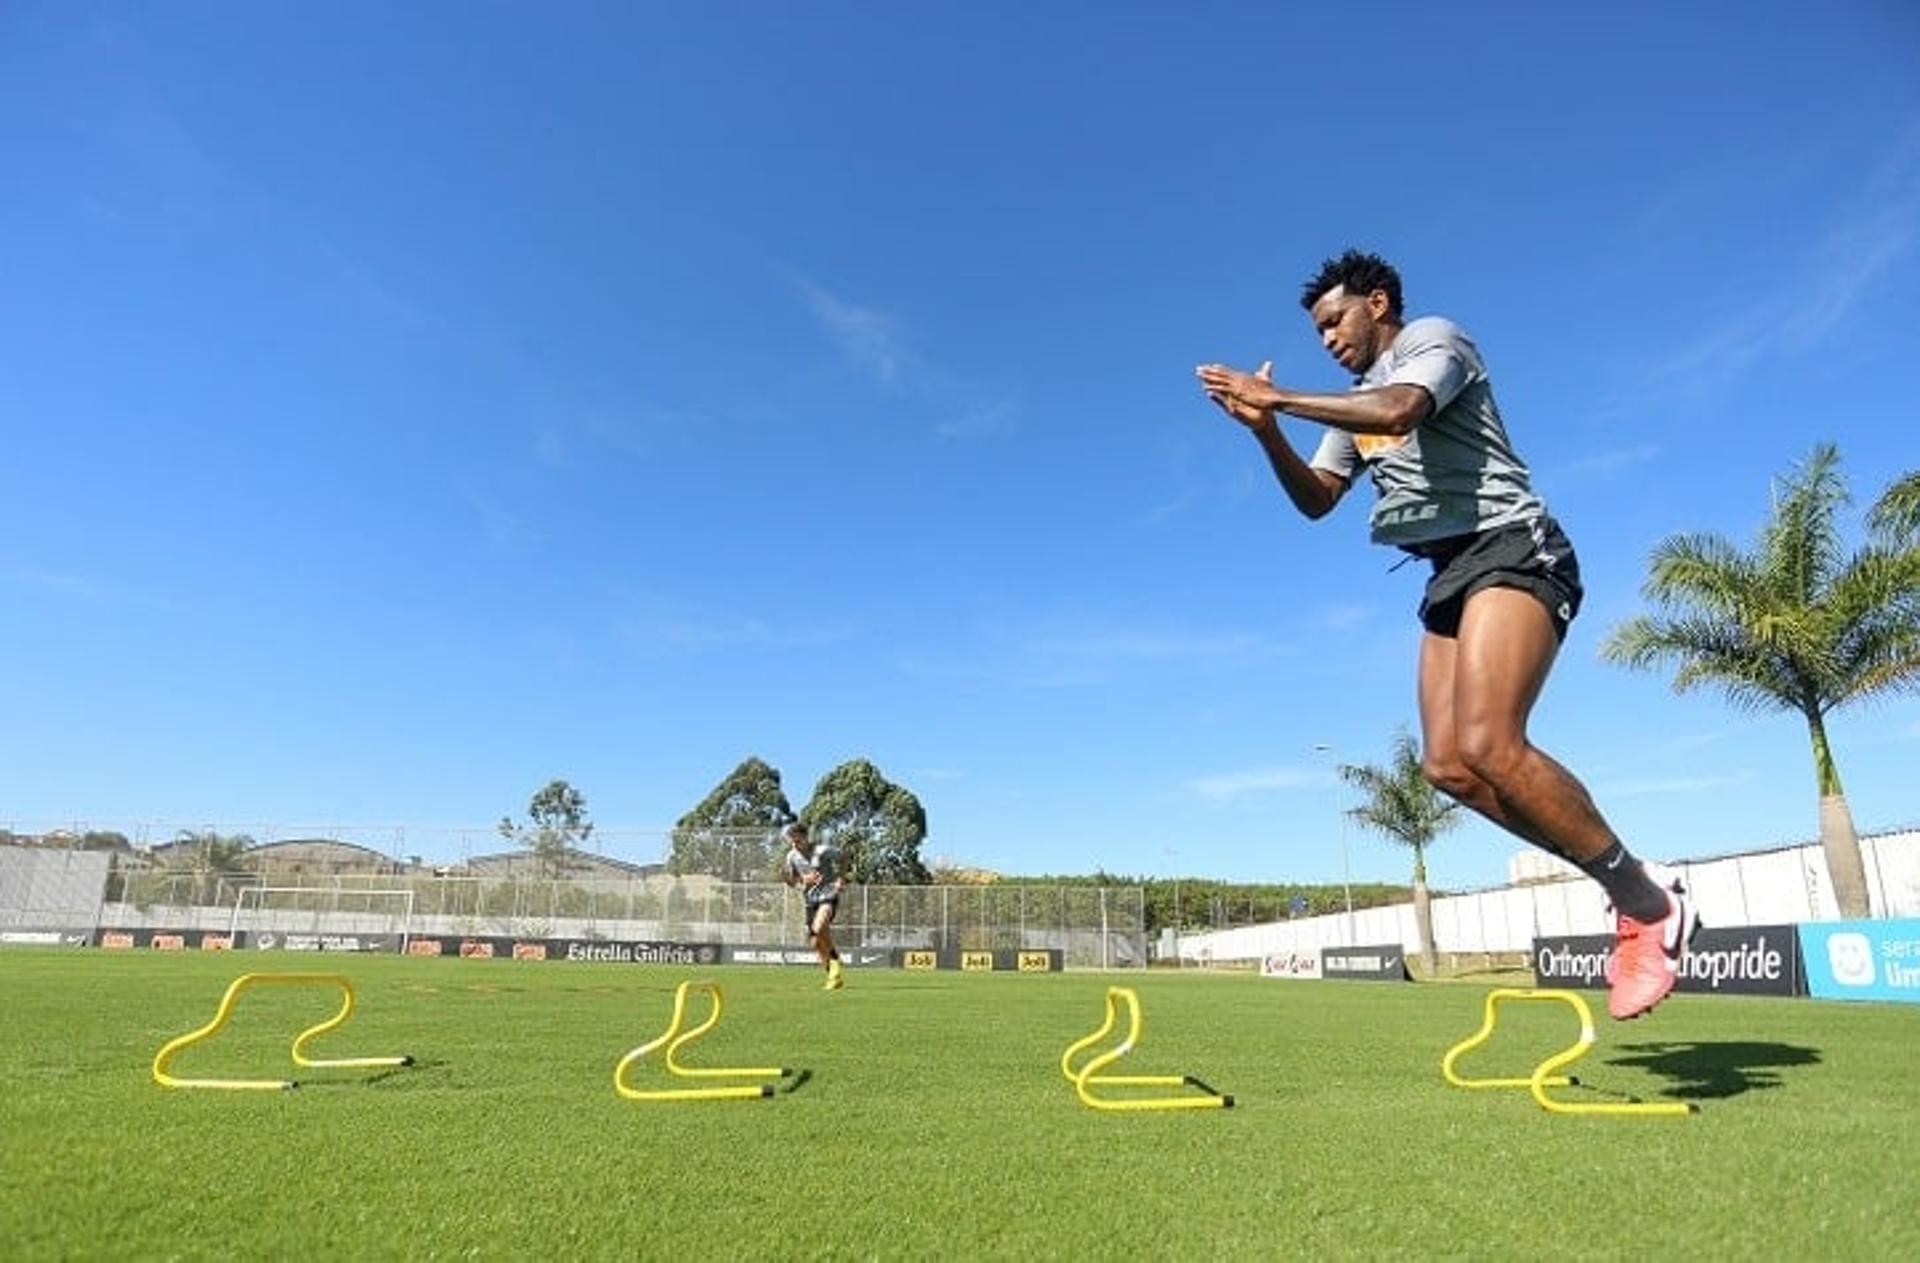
[{"x": 1627, "y": 884}]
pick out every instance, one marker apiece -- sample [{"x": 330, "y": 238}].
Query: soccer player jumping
[{"x": 1422, "y": 420}]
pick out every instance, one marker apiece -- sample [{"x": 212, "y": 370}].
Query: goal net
[{"x": 322, "y": 918}]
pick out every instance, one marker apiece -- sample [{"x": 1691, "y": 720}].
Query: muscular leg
[
  {"x": 1500, "y": 661},
  {"x": 1476, "y": 693},
  {"x": 1441, "y": 760},
  {"x": 823, "y": 934}
]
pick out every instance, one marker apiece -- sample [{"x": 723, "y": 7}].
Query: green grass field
[{"x": 934, "y": 1120}]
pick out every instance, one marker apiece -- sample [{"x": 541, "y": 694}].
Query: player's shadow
[
  {"x": 1716, "y": 1070},
  {"x": 393, "y": 1077}
]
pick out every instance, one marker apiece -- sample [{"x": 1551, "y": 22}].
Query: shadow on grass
[
  {"x": 396, "y": 1076},
  {"x": 798, "y": 1080},
  {"x": 1714, "y": 1071}
]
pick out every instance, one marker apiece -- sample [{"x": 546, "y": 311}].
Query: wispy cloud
[
  {"x": 76, "y": 586},
  {"x": 505, "y": 530},
  {"x": 1664, "y": 785},
  {"x": 1692, "y": 740},
  {"x": 994, "y": 418},
  {"x": 637, "y": 432},
  {"x": 1066, "y": 658},
  {"x": 667, "y": 623},
  {"x": 1140, "y": 645},
  {"x": 1084, "y": 650},
  {"x": 1343, "y": 617},
  {"x": 869, "y": 337},
  {"x": 1607, "y": 464},
  {"x": 1168, "y": 508},
  {"x": 1829, "y": 280},
  {"x": 876, "y": 344},
  {"x": 1233, "y": 786},
  {"x": 82, "y": 589}
]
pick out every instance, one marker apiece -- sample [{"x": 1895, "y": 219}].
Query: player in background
[
  {"x": 816, "y": 871},
  {"x": 1421, "y": 420}
]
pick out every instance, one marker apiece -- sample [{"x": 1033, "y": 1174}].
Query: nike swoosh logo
[{"x": 1673, "y": 937}]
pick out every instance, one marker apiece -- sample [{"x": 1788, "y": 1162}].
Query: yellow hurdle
[
  {"x": 165, "y": 1056},
  {"x": 675, "y": 1039},
  {"x": 1089, "y": 1076},
  {"x": 1544, "y": 1075}
]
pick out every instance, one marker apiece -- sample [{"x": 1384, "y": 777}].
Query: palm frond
[
  {"x": 1703, "y": 571},
  {"x": 1895, "y": 516},
  {"x": 1702, "y": 651},
  {"x": 1872, "y": 622},
  {"x": 1800, "y": 546}
]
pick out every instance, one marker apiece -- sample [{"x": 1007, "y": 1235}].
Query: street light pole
[
  {"x": 1173, "y": 855},
  {"x": 1346, "y": 861}
]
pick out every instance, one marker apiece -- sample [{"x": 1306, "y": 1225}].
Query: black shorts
[
  {"x": 1534, "y": 557},
  {"x": 814, "y": 904}
]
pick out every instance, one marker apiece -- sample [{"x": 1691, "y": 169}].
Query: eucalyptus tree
[
  {"x": 877, "y": 824},
  {"x": 557, "y": 827},
  {"x": 734, "y": 831}
]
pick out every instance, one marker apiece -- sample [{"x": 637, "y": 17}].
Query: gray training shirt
[
  {"x": 1457, "y": 473},
  {"x": 825, "y": 860}
]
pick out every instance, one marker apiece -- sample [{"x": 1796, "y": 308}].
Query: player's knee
[
  {"x": 1450, "y": 776},
  {"x": 1492, "y": 754}
]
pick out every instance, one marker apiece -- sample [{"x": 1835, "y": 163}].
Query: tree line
[{"x": 734, "y": 832}]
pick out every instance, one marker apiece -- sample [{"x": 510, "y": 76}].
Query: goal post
[{"x": 323, "y": 910}]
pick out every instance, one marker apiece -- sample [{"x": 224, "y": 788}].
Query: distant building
[
  {"x": 321, "y": 856},
  {"x": 580, "y": 865},
  {"x": 1531, "y": 868}
]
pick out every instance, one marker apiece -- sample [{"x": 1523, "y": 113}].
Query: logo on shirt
[{"x": 1372, "y": 445}]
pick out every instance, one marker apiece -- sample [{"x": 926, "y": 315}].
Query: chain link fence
[{"x": 304, "y": 885}]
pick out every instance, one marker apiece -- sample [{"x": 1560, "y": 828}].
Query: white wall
[
  {"x": 51, "y": 888},
  {"x": 1780, "y": 887}
]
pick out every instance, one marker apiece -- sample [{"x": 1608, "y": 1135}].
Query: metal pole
[
  {"x": 1346, "y": 877},
  {"x": 1340, "y": 810},
  {"x": 1104, "y": 964}
]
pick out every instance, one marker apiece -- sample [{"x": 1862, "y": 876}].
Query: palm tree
[
  {"x": 1797, "y": 625},
  {"x": 1397, "y": 800}
]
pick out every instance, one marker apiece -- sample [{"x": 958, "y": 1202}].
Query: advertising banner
[
  {"x": 1863, "y": 960},
  {"x": 46, "y": 938},
  {"x": 163, "y": 940},
  {"x": 852, "y": 957},
  {"x": 1291, "y": 965},
  {"x": 1027, "y": 960},
  {"x": 1743, "y": 960},
  {"x": 1383, "y": 963},
  {"x": 616, "y": 951},
  {"x": 277, "y": 941}
]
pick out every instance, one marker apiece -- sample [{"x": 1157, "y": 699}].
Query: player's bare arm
[
  {"x": 1393, "y": 410},
  {"x": 1314, "y": 492}
]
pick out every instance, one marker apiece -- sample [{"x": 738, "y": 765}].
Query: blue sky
[{"x": 406, "y": 404}]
